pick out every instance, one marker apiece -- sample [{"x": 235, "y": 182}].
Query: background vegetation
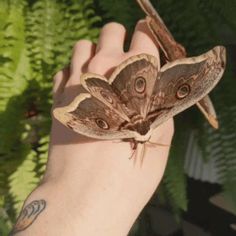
[{"x": 36, "y": 38}]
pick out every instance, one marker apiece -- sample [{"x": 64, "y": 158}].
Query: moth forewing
[
  {"x": 217, "y": 54},
  {"x": 212, "y": 69},
  {"x": 132, "y": 81},
  {"x": 99, "y": 87}
]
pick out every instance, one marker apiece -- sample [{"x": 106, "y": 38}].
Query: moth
[
  {"x": 172, "y": 50},
  {"x": 140, "y": 95}
]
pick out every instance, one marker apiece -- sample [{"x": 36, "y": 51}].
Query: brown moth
[
  {"x": 172, "y": 50},
  {"x": 139, "y": 95}
]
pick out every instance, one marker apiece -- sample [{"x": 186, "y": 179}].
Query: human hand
[
  {"x": 101, "y": 60},
  {"x": 101, "y": 190}
]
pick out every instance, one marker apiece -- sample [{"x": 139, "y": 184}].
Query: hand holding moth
[
  {"x": 98, "y": 173},
  {"x": 139, "y": 95},
  {"x": 102, "y": 113},
  {"x": 90, "y": 186}
]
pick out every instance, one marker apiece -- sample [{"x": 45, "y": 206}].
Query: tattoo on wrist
[{"x": 28, "y": 215}]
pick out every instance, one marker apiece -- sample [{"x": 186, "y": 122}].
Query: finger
[
  {"x": 142, "y": 40},
  {"x": 111, "y": 38},
  {"x": 59, "y": 81},
  {"x": 84, "y": 50}
]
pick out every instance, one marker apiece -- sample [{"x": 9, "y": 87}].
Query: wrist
[{"x": 102, "y": 189}]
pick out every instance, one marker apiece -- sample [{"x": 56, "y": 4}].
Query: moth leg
[
  {"x": 133, "y": 154},
  {"x": 134, "y": 147},
  {"x": 133, "y": 144},
  {"x": 143, "y": 151}
]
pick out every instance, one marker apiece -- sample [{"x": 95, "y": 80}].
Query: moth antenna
[{"x": 152, "y": 144}]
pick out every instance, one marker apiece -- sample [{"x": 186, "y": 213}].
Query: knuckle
[
  {"x": 96, "y": 64},
  {"x": 141, "y": 21},
  {"x": 70, "y": 82},
  {"x": 73, "y": 80},
  {"x": 57, "y": 76},
  {"x": 141, "y": 25},
  {"x": 114, "y": 25},
  {"x": 82, "y": 43}
]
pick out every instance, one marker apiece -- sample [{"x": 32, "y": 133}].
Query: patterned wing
[
  {"x": 89, "y": 116},
  {"x": 133, "y": 82},
  {"x": 99, "y": 88},
  {"x": 184, "y": 82}
]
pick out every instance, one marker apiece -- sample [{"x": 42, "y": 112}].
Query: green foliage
[
  {"x": 221, "y": 144},
  {"x": 5, "y": 224},
  {"x": 174, "y": 179},
  {"x": 36, "y": 39},
  {"x": 23, "y": 180}
]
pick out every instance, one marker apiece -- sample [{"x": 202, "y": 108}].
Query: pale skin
[{"x": 91, "y": 187}]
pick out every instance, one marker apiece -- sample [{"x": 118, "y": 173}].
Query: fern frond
[
  {"x": 5, "y": 223},
  {"x": 42, "y": 156},
  {"x": 23, "y": 180},
  {"x": 221, "y": 144},
  {"x": 174, "y": 178},
  {"x": 35, "y": 41},
  {"x": 13, "y": 70},
  {"x": 52, "y": 30}
]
